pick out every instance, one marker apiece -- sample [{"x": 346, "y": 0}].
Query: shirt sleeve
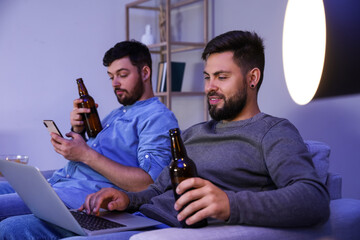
[
  {"x": 300, "y": 198},
  {"x": 154, "y": 143}
]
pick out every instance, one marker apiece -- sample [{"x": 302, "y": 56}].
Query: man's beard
[
  {"x": 129, "y": 98},
  {"x": 232, "y": 106}
]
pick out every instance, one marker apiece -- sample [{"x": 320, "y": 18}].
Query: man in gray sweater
[{"x": 253, "y": 168}]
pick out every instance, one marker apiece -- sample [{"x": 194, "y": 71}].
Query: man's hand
[
  {"x": 74, "y": 149},
  {"x": 206, "y": 199},
  {"x": 76, "y": 119},
  {"x": 107, "y": 198}
]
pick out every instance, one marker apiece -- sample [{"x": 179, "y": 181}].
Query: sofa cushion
[
  {"x": 233, "y": 232},
  {"x": 320, "y": 153},
  {"x": 342, "y": 224}
]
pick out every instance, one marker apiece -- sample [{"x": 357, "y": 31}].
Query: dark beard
[
  {"x": 232, "y": 106},
  {"x": 132, "y": 97}
]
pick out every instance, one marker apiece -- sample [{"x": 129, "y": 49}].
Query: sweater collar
[{"x": 240, "y": 123}]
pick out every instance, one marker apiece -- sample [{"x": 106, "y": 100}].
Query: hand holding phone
[{"x": 51, "y": 127}]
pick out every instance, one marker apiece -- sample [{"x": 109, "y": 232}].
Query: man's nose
[
  {"x": 210, "y": 85},
  {"x": 115, "y": 82}
]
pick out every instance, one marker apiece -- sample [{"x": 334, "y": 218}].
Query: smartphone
[{"x": 51, "y": 127}]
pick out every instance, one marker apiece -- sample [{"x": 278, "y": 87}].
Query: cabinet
[{"x": 166, "y": 47}]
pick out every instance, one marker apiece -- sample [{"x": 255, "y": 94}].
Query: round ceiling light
[{"x": 304, "y": 43}]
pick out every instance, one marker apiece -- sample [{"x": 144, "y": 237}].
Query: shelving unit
[{"x": 167, "y": 48}]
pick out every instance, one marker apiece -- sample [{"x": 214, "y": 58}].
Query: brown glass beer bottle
[
  {"x": 91, "y": 120},
  {"x": 181, "y": 168}
]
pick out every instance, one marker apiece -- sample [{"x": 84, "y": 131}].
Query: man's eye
[
  {"x": 122, "y": 75},
  {"x": 222, "y": 77},
  {"x": 206, "y": 77}
]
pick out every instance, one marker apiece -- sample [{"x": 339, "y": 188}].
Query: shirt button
[
  {"x": 68, "y": 176},
  {"x": 107, "y": 125},
  {"x": 94, "y": 145},
  {"x": 124, "y": 110},
  {"x": 146, "y": 156}
]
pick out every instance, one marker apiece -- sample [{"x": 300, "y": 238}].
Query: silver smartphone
[{"x": 51, "y": 127}]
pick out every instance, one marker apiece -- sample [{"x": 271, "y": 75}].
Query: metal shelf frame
[{"x": 167, "y": 48}]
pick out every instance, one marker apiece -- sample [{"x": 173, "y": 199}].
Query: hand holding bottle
[
  {"x": 199, "y": 200},
  {"x": 182, "y": 168},
  {"x": 91, "y": 119},
  {"x": 76, "y": 116}
]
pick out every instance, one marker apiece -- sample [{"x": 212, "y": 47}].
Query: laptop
[{"x": 45, "y": 204}]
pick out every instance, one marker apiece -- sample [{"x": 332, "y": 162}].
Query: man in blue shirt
[{"x": 130, "y": 151}]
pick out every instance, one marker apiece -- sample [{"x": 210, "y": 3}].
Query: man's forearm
[{"x": 125, "y": 177}]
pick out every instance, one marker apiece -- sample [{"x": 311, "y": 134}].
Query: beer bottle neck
[
  {"x": 81, "y": 86},
  {"x": 177, "y": 148}
]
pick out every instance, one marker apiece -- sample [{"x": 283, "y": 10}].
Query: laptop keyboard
[{"x": 93, "y": 223}]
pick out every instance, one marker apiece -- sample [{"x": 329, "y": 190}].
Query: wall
[{"x": 46, "y": 45}]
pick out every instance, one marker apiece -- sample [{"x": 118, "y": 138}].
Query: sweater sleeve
[
  {"x": 158, "y": 187},
  {"x": 300, "y": 198}
]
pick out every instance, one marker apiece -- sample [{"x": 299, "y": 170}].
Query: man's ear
[
  {"x": 145, "y": 73},
  {"x": 253, "y": 77}
]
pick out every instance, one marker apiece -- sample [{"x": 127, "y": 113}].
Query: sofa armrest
[{"x": 334, "y": 183}]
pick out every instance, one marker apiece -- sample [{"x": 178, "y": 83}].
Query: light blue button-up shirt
[{"x": 135, "y": 135}]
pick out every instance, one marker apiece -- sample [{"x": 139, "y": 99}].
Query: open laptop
[{"x": 44, "y": 203}]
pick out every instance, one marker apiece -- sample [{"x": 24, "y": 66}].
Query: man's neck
[
  {"x": 249, "y": 111},
  {"x": 146, "y": 95}
]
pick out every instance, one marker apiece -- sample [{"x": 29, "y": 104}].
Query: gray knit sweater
[{"x": 261, "y": 163}]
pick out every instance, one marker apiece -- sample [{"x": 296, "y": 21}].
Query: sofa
[{"x": 343, "y": 224}]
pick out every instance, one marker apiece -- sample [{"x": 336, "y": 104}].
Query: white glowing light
[{"x": 304, "y": 43}]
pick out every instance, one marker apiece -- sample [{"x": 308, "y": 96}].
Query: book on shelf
[
  {"x": 177, "y": 75},
  {"x": 160, "y": 75}
]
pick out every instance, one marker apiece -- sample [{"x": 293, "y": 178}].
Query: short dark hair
[
  {"x": 247, "y": 47},
  {"x": 137, "y": 52}
]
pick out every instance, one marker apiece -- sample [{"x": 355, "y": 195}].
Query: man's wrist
[{"x": 88, "y": 156}]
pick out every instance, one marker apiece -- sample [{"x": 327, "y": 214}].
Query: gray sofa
[{"x": 343, "y": 224}]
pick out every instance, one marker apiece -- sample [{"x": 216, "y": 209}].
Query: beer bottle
[
  {"x": 181, "y": 168},
  {"x": 91, "y": 120}
]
